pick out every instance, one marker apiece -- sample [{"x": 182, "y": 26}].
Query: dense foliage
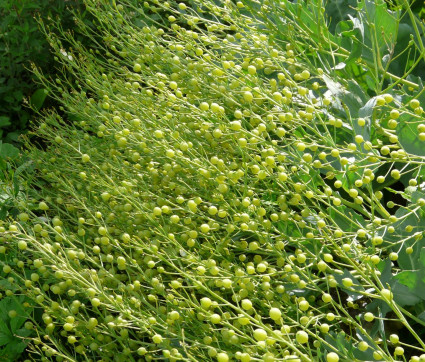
[
  {"x": 21, "y": 43},
  {"x": 21, "y": 98},
  {"x": 225, "y": 181}
]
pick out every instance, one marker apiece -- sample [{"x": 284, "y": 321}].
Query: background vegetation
[{"x": 22, "y": 44}]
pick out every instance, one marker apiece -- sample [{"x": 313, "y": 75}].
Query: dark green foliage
[
  {"x": 12, "y": 330},
  {"x": 21, "y": 43}
]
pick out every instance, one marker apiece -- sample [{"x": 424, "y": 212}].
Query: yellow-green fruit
[
  {"x": 260, "y": 334},
  {"x": 301, "y": 337},
  {"x": 332, "y": 357}
]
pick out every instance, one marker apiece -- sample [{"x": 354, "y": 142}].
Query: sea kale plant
[{"x": 225, "y": 181}]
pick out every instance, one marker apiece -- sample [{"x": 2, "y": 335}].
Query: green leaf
[
  {"x": 408, "y": 278},
  {"x": 384, "y": 267},
  {"x": 380, "y": 28},
  {"x": 8, "y": 151},
  {"x": 341, "y": 344},
  {"x": 357, "y": 285},
  {"x": 13, "y": 303},
  {"x": 401, "y": 58},
  {"x": 408, "y": 135},
  {"x": 350, "y": 37},
  {"x": 409, "y": 261},
  {"x": 367, "y": 110},
  {"x": 5, "y": 335},
  {"x": 349, "y": 220},
  {"x": 416, "y": 195},
  {"x": 363, "y": 355},
  {"x": 4, "y": 121},
  {"x": 402, "y": 294},
  {"x": 13, "y": 136},
  {"x": 353, "y": 103},
  {"x": 5, "y": 338},
  {"x": 422, "y": 316},
  {"x": 38, "y": 98},
  {"x": 14, "y": 349},
  {"x": 23, "y": 332},
  {"x": 5, "y": 284},
  {"x": 339, "y": 10}
]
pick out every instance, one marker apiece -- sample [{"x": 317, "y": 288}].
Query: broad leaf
[
  {"x": 8, "y": 151},
  {"x": 380, "y": 29},
  {"x": 5, "y": 338},
  {"x": 408, "y": 278},
  {"x": 347, "y": 219},
  {"x": 4, "y": 121},
  {"x": 357, "y": 285},
  {"x": 5, "y": 335},
  {"x": 408, "y": 135},
  {"x": 339, "y": 10},
  {"x": 38, "y": 98}
]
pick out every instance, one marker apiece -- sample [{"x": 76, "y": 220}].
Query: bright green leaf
[{"x": 408, "y": 278}]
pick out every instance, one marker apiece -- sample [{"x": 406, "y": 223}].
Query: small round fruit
[
  {"x": 205, "y": 228},
  {"x": 260, "y": 334},
  {"x": 363, "y": 346},
  {"x": 330, "y": 317},
  {"x": 395, "y": 174},
  {"x": 387, "y": 294},
  {"x": 377, "y": 355},
  {"x": 332, "y": 357},
  {"x": 327, "y": 298},
  {"x": 215, "y": 318},
  {"x": 301, "y": 337},
  {"x": 275, "y": 314},
  {"x": 394, "y": 114},
  {"x": 322, "y": 266},
  {"x": 324, "y": 328},
  {"x": 137, "y": 68},
  {"x": 369, "y": 317},
  {"x": 248, "y": 97},
  {"x": 304, "y": 305},
  {"x": 393, "y": 256},
  {"x": 394, "y": 339},
  {"x": 22, "y": 245},
  {"x": 206, "y": 303},
  {"x": 414, "y": 103},
  {"x": 222, "y": 357},
  {"x": 399, "y": 351},
  {"x": 375, "y": 259},
  {"x": 157, "y": 338},
  {"x": 43, "y": 206},
  {"x": 359, "y": 138},
  {"x": 347, "y": 282},
  {"x": 95, "y": 302},
  {"x": 246, "y": 304},
  {"x": 68, "y": 327}
]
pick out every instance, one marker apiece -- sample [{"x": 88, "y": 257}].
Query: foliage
[
  {"x": 21, "y": 43},
  {"x": 227, "y": 181},
  {"x": 12, "y": 328}
]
